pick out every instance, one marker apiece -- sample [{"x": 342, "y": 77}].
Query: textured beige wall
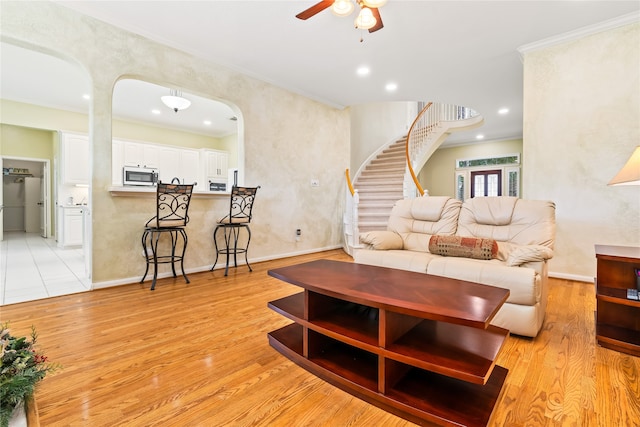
[
  {"x": 377, "y": 124},
  {"x": 581, "y": 123},
  {"x": 286, "y": 140},
  {"x": 438, "y": 174}
]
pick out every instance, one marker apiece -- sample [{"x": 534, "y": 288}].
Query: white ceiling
[{"x": 462, "y": 52}]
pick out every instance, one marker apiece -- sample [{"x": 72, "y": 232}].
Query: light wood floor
[{"x": 197, "y": 355}]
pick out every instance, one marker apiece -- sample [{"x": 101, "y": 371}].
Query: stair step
[
  {"x": 397, "y": 183},
  {"x": 386, "y": 193},
  {"x": 388, "y": 162},
  {"x": 367, "y": 219},
  {"x": 397, "y": 154},
  {"x": 397, "y": 177},
  {"x": 395, "y": 170},
  {"x": 380, "y": 186},
  {"x": 370, "y": 176},
  {"x": 382, "y": 174},
  {"x": 362, "y": 226},
  {"x": 367, "y": 209},
  {"x": 369, "y": 196}
]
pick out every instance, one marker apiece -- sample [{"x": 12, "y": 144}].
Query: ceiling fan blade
[
  {"x": 376, "y": 14},
  {"x": 316, "y": 8}
]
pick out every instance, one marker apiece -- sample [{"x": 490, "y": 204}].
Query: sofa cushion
[
  {"x": 530, "y": 222},
  {"x": 417, "y": 219},
  {"x": 467, "y": 247},
  {"x": 401, "y": 259},
  {"x": 492, "y": 211},
  {"x": 523, "y": 283},
  {"x": 381, "y": 240},
  {"x": 519, "y": 255}
]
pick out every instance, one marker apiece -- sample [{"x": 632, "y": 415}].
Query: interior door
[
  {"x": 486, "y": 183},
  {"x": 41, "y": 205},
  {"x": 45, "y": 200},
  {"x": 33, "y": 205}
]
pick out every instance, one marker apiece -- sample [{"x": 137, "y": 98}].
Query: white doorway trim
[{"x": 46, "y": 196}]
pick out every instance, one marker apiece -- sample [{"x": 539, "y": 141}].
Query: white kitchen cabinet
[
  {"x": 75, "y": 157},
  {"x": 216, "y": 163},
  {"x": 140, "y": 155},
  {"x": 181, "y": 163},
  {"x": 168, "y": 163},
  {"x": 189, "y": 161},
  {"x": 189, "y": 165},
  {"x": 150, "y": 156},
  {"x": 72, "y": 227},
  {"x": 132, "y": 154},
  {"x": 214, "y": 167}
]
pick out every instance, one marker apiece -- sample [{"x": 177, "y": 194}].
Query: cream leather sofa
[{"x": 524, "y": 231}]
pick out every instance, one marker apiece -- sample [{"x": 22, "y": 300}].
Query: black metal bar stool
[
  {"x": 172, "y": 206},
  {"x": 239, "y": 217}
]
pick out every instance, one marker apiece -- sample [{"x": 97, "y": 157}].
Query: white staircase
[
  {"x": 380, "y": 185},
  {"x": 387, "y": 176}
]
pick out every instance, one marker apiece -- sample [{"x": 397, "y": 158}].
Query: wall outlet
[
  {"x": 315, "y": 183},
  {"x": 298, "y": 234}
]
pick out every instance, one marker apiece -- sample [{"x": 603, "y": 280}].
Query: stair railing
[
  {"x": 350, "y": 219},
  {"x": 424, "y": 132}
]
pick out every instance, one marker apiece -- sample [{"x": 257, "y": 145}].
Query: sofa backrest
[
  {"x": 412, "y": 219},
  {"x": 508, "y": 219}
]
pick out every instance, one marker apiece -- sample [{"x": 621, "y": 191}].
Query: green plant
[{"x": 22, "y": 368}]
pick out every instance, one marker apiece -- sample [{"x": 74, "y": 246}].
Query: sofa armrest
[
  {"x": 381, "y": 240},
  {"x": 520, "y": 254}
]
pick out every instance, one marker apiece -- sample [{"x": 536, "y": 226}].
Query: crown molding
[{"x": 609, "y": 24}]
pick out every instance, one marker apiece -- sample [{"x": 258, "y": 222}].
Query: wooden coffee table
[{"x": 416, "y": 345}]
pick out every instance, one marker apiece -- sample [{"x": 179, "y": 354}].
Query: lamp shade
[
  {"x": 365, "y": 19},
  {"x": 374, "y": 3},
  {"x": 342, "y": 7},
  {"x": 175, "y": 101},
  {"x": 630, "y": 172}
]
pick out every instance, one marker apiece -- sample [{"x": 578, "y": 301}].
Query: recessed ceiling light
[
  {"x": 86, "y": 96},
  {"x": 207, "y": 122},
  {"x": 154, "y": 111},
  {"x": 363, "y": 71},
  {"x": 391, "y": 87},
  {"x": 480, "y": 136},
  {"x": 503, "y": 111}
]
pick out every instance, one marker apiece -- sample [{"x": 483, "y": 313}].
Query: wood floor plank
[{"x": 197, "y": 355}]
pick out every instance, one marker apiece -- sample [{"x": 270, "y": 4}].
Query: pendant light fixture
[
  {"x": 374, "y": 3},
  {"x": 175, "y": 100},
  {"x": 342, "y": 7},
  {"x": 368, "y": 16},
  {"x": 365, "y": 19}
]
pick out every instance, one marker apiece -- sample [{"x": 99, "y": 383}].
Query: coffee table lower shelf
[{"x": 419, "y": 395}]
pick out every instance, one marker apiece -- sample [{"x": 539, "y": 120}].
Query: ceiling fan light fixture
[
  {"x": 365, "y": 19},
  {"x": 374, "y": 3},
  {"x": 175, "y": 101},
  {"x": 342, "y": 7}
]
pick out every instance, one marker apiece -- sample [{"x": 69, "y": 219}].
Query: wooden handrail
[
  {"x": 349, "y": 184},
  {"x": 411, "y": 171}
]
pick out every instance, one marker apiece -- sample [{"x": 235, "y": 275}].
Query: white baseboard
[
  {"x": 130, "y": 280},
  {"x": 574, "y": 277}
]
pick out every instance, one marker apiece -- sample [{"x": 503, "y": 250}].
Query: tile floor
[{"x": 32, "y": 267}]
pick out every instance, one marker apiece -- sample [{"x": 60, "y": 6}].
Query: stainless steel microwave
[
  {"x": 217, "y": 185},
  {"x": 132, "y": 175}
]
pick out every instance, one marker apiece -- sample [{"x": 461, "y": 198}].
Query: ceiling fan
[{"x": 368, "y": 18}]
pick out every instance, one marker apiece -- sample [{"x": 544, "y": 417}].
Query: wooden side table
[{"x": 617, "y": 318}]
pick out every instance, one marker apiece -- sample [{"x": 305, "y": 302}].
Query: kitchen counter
[{"x": 149, "y": 191}]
